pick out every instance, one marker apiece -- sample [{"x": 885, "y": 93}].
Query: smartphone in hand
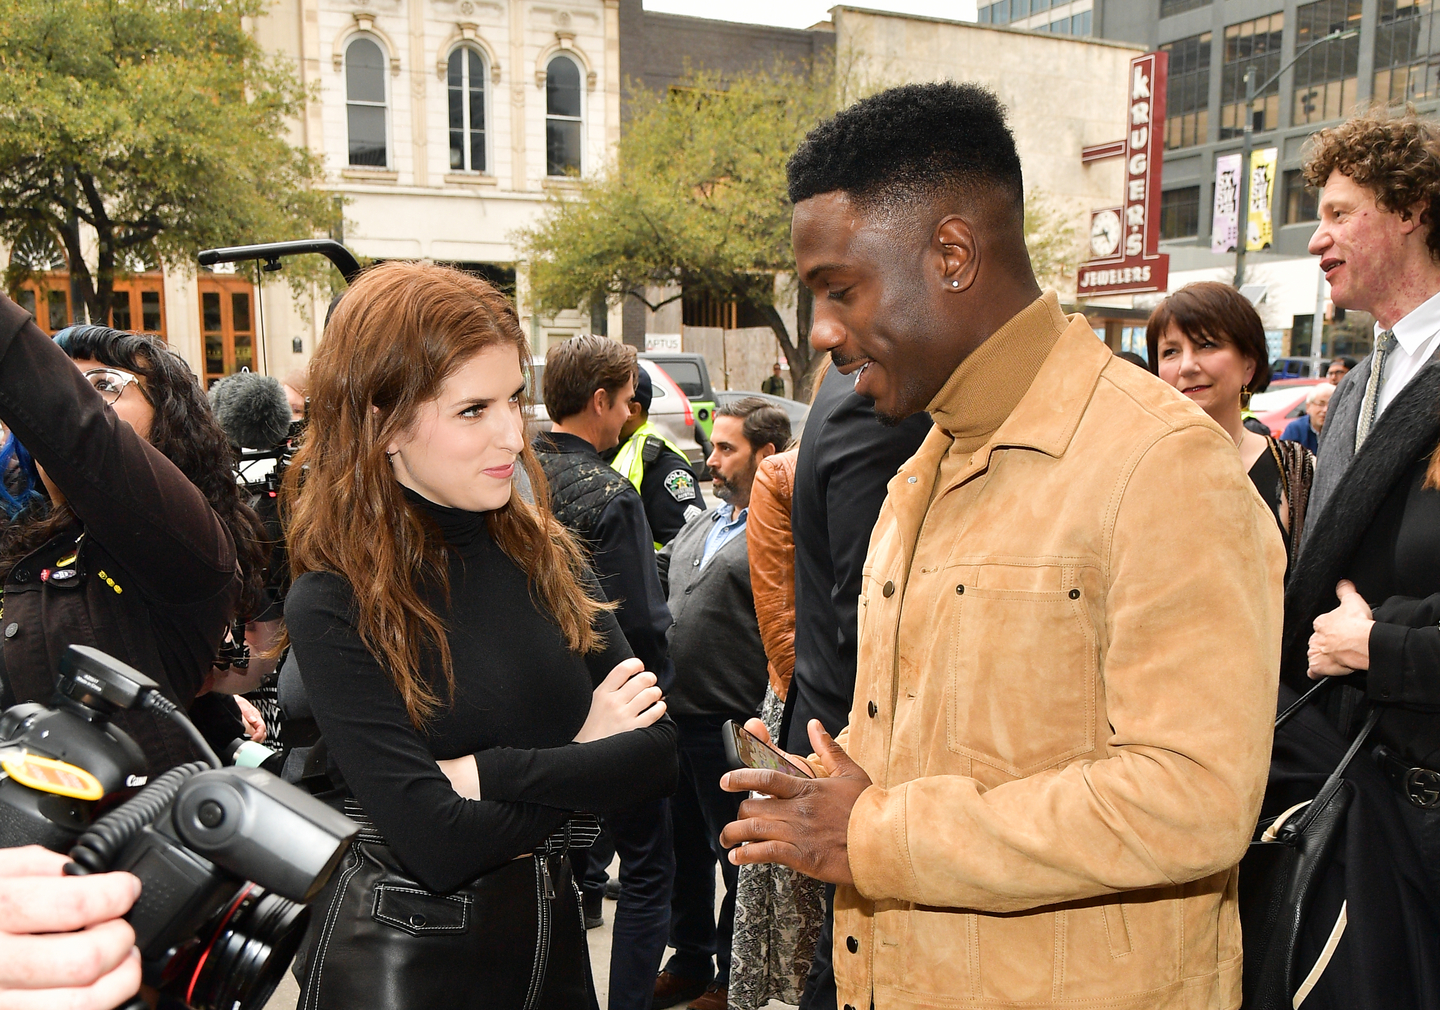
[{"x": 744, "y": 749}]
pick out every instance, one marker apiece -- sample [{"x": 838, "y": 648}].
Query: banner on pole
[
  {"x": 1225, "y": 230},
  {"x": 1261, "y": 232}
]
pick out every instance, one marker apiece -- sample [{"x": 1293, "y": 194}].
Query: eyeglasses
[{"x": 110, "y": 383}]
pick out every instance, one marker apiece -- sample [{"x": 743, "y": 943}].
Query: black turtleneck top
[{"x": 520, "y": 697}]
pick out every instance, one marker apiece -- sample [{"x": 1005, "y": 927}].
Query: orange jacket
[{"x": 772, "y": 564}]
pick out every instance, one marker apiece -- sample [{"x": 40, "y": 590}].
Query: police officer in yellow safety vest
[{"x": 657, "y": 468}]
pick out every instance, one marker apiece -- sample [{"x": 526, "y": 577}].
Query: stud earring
[{"x": 954, "y": 284}]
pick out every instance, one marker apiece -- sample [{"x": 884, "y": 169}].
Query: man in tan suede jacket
[{"x": 1069, "y": 624}]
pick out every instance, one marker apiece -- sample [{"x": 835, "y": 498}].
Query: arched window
[
  {"x": 562, "y": 117},
  {"x": 466, "y": 78},
  {"x": 365, "y": 103}
]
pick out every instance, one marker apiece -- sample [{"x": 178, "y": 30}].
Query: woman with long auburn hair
[{"x": 472, "y": 692}]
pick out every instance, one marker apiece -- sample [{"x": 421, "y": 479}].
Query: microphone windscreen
[{"x": 252, "y": 409}]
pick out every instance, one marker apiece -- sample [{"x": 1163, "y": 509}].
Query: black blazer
[
  {"x": 847, "y": 458},
  {"x": 1356, "y": 522}
]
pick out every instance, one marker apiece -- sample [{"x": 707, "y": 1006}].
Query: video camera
[{"x": 227, "y": 857}]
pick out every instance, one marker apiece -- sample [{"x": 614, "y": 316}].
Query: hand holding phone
[{"x": 744, "y": 749}]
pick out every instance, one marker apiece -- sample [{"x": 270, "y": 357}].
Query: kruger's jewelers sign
[{"x": 1125, "y": 255}]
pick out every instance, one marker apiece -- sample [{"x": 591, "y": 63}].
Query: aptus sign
[{"x": 1125, "y": 240}]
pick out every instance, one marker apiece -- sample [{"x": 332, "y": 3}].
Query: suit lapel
[
  {"x": 1337, "y": 440},
  {"x": 1408, "y": 430}
]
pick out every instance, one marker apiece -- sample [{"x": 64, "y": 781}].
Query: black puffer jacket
[
  {"x": 156, "y": 582},
  {"x": 601, "y": 507}
]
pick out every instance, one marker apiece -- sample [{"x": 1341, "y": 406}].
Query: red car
[{"x": 1280, "y": 404}]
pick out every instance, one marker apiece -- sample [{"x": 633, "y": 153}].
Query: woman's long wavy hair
[
  {"x": 185, "y": 431},
  {"x": 399, "y": 331}
]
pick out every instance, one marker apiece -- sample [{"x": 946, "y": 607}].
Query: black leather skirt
[{"x": 513, "y": 939}]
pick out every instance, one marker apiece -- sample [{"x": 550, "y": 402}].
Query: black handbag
[
  {"x": 512, "y": 939},
  {"x": 1283, "y": 869}
]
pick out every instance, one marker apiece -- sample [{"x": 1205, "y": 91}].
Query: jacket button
[
  {"x": 687, "y": 590},
  {"x": 417, "y": 920},
  {"x": 873, "y": 709},
  {"x": 1074, "y": 594},
  {"x": 10, "y": 629},
  {"x": 959, "y": 590},
  {"x": 695, "y": 563},
  {"x": 852, "y": 944},
  {"x": 889, "y": 590},
  {"x": 22, "y": 575}
]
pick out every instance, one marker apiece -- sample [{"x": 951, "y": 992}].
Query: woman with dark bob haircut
[
  {"x": 1207, "y": 341},
  {"x": 128, "y": 531},
  {"x": 472, "y": 689}
]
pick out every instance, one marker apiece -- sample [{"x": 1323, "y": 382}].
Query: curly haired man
[
  {"x": 1379, "y": 246},
  {"x": 1379, "y": 176}
]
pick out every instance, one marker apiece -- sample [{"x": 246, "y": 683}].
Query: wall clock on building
[{"x": 1104, "y": 233}]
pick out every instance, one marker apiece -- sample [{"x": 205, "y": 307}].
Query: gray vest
[{"x": 720, "y": 667}]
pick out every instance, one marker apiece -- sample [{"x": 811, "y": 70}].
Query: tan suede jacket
[
  {"x": 1069, "y": 644},
  {"x": 772, "y": 564}
]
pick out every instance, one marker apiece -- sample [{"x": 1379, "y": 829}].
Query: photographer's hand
[
  {"x": 44, "y": 963},
  {"x": 627, "y": 699}
]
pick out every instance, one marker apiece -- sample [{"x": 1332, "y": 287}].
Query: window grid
[
  {"x": 1251, "y": 44},
  {"x": 562, "y": 117},
  {"x": 1326, "y": 77},
  {"x": 1407, "y": 52},
  {"x": 1187, "y": 94},
  {"x": 365, "y": 104},
  {"x": 1020, "y": 12},
  {"x": 466, "y": 82},
  {"x": 1180, "y": 212},
  {"x": 1169, "y": 8},
  {"x": 1302, "y": 204}
]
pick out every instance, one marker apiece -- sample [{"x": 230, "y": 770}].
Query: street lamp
[{"x": 1249, "y": 140}]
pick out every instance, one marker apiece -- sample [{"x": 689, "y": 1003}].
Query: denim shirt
[{"x": 722, "y": 530}]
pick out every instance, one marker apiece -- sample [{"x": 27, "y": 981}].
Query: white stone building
[{"x": 443, "y": 125}]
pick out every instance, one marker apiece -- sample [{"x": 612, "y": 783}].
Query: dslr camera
[{"x": 227, "y": 857}]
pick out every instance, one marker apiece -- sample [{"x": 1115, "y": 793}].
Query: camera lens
[{"x": 251, "y": 942}]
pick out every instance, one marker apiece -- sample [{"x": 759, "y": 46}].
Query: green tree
[
  {"x": 1052, "y": 234},
  {"x": 696, "y": 197},
  {"x": 158, "y": 124}
]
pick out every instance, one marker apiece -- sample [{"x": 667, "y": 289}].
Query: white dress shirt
[{"x": 1417, "y": 337}]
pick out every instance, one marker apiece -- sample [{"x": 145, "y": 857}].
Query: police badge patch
[{"x": 681, "y": 485}]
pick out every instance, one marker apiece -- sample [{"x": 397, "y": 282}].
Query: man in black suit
[
  {"x": 846, "y": 459},
  {"x": 1379, "y": 245}
]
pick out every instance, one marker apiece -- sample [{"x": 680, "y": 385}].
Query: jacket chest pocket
[{"x": 1021, "y": 678}]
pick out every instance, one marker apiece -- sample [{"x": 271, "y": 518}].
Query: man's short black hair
[{"x": 916, "y": 141}]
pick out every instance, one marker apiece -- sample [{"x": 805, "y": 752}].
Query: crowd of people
[{"x": 1082, "y": 671}]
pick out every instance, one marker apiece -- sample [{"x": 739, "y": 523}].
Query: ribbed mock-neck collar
[
  {"x": 458, "y": 528},
  {"x": 990, "y": 383}
]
